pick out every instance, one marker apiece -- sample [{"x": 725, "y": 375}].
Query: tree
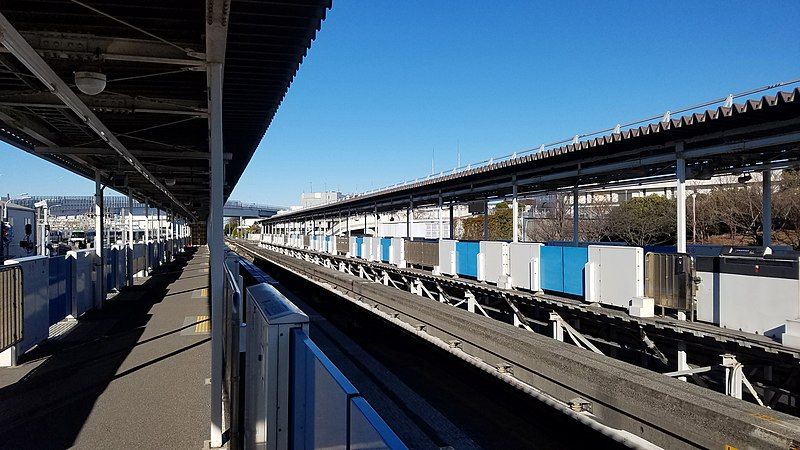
[
  {"x": 500, "y": 224},
  {"x": 649, "y": 220},
  {"x": 786, "y": 207},
  {"x": 553, "y": 222}
]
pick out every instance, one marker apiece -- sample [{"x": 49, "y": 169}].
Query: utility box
[
  {"x": 614, "y": 275},
  {"x": 270, "y": 320},
  {"x": 669, "y": 280},
  {"x": 421, "y": 253},
  {"x": 524, "y": 265},
  {"x": 447, "y": 256},
  {"x": 342, "y": 245},
  {"x": 495, "y": 262},
  {"x": 397, "y": 253}
]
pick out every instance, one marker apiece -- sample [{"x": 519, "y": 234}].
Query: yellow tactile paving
[{"x": 202, "y": 325}]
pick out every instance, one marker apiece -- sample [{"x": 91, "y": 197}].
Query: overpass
[{"x": 235, "y": 208}]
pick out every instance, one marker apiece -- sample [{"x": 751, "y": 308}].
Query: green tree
[
  {"x": 500, "y": 224},
  {"x": 647, "y": 220}
]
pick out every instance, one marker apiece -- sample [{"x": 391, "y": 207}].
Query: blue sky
[{"x": 389, "y": 84}]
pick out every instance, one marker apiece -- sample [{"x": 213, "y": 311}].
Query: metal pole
[
  {"x": 439, "y": 211},
  {"x": 680, "y": 197},
  {"x": 694, "y": 217},
  {"x": 410, "y": 218},
  {"x": 377, "y": 222},
  {"x": 347, "y": 223},
  {"x": 365, "y": 223},
  {"x": 766, "y": 212},
  {"x": 575, "y": 215},
  {"x": 215, "y": 246},
  {"x": 486, "y": 219},
  {"x": 130, "y": 238},
  {"x": 147, "y": 261},
  {"x": 452, "y": 222},
  {"x": 158, "y": 237},
  {"x": 514, "y": 211},
  {"x": 99, "y": 248}
]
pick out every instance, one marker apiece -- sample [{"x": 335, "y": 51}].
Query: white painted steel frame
[{"x": 22, "y": 50}]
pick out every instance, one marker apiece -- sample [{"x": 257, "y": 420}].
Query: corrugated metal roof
[{"x": 770, "y": 108}]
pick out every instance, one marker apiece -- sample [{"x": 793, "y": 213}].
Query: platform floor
[{"x": 132, "y": 375}]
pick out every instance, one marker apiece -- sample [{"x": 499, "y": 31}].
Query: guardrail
[
  {"x": 295, "y": 396},
  {"x": 10, "y": 306}
]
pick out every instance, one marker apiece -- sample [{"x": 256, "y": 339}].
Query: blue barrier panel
[
  {"x": 467, "y": 258},
  {"x": 60, "y": 288},
  {"x": 575, "y": 258},
  {"x": 359, "y": 242},
  {"x": 386, "y": 244},
  {"x": 552, "y": 268}
]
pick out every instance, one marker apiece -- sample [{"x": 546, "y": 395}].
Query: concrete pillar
[
  {"x": 766, "y": 212},
  {"x": 514, "y": 211},
  {"x": 410, "y": 218},
  {"x": 99, "y": 247},
  {"x": 575, "y": 215},
  {"x": 680, "y": 197}
]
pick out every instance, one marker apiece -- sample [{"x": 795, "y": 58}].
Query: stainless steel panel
[
  {"x": 10, "y": 306},
  {"x": 669, "y": 280},
  {"x": 422, "y": 253}
]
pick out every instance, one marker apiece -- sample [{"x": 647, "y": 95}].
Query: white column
[
  {"x": 680, "y": 197},
  {"x": 158, "y": 237},
  {"x": 766, "y": 212},
  {"x": 452, "y": 222},
  {"x": 216, "y": 247},
  {"x": 129, "y": 225},
  {"x": 514, "y": 211},
  {"x": 439, "y": 211},
  {"x": 347, "y": 223},
  {"x": 99, "y": 247},
  {"x": 147, "y": 261}
]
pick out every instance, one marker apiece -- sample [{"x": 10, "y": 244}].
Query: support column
[
  {"x": 452, "y": 222},
  {"x": 99, "y": 247},
  {"x": 215, "y": 246},
  {"x": 377, "y": 222},
  {"x": 147, "y": 261},
  {"x": 514, "y": 211},
  {"x": 410, "y": 218},
  {"x": 575, "y": 215},
  {"x": 129, "y": 250},
  {"x": 766, "y": 212},
  {"x": 680, "y": 196},
  {"x": 439, "y": 211},
  {"x": 347, "y": 223},
  {"x": 159, "y": 253},
  {"x": 365, "y": 223},
  {"x": 486, "y": 219}
]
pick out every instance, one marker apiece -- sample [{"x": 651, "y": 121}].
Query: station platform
[{"x": 131, "y": 375}]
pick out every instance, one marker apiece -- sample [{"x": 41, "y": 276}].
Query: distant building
[{"x": 311, "y": 199}]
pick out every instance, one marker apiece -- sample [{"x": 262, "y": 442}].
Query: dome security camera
[{"x": 90, "y": 83}]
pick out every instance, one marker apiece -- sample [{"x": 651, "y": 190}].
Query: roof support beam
[
  {"x": 101, "y": 151},
  {"x": 19, "y": 47},
  {"x": 116, "y": 103}
]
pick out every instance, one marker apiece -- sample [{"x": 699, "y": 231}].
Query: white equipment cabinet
[
  {"x": 614, "y": 275},
  {"x": 524, "y": 265}
]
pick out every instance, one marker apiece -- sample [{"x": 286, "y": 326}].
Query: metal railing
[{"x": 11, "y": 307}]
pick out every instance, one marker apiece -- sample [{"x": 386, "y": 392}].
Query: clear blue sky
[{"x": 386, "y": 84}]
